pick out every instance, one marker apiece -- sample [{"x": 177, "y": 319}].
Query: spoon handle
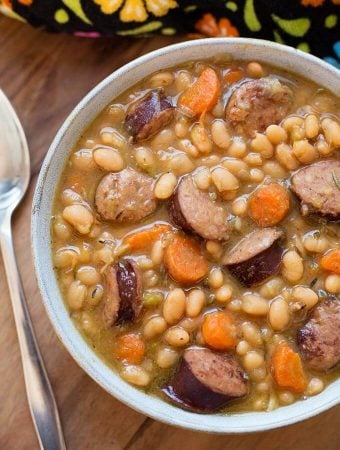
[{"x": 39, "y": 392}]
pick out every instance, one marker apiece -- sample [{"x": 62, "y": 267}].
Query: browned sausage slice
[
  {"x": 258, "y": 103},
  {"x": 256, "y": 257},
  {"x": 205, "y": 381},
  {"x": 194, "y": 211},
  {"x": 317, "y": 187},
  {"x": 148, "y": 115},
  {"x": 319, "y": 338},
  {"x": 125, "y": 196},
  {"x": 124, "y": 293}
]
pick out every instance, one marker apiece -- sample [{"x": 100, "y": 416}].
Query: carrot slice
[
  {"x": 219, "y": 331},
  {"x": 233, "y": 76},
  {"x": 269, "y": 205},
  {"x": 287, "y": 369},
  {"x": 130, "y": 348},
  {"x": 331, "y": 261},
  {"x": 146, "y": 237},
  {"x": 184, "y": 260},
  {"x": 202, "y": 96}
]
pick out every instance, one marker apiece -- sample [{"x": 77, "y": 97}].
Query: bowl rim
[{"x": 90, "y": 362}]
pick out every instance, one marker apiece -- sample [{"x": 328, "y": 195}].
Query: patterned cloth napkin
[{"x": 310, "y": 25}]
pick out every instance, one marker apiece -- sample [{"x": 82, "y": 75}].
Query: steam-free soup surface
[{"x": 195, "y": 236}]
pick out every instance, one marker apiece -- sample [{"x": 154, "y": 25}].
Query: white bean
[
  {"x": 239, "y": 206},
  {"x": 242, "y": 348},
  {"x": 135, "y": 375},
  {"x": 203, "y": 179},
  {"x": 292, "y": 266},
  {"x": 180, "y": 163},
  {"x": 305, "y": 295},
  {"x": 161, "y": 79},
  {"x": 224, "y": 293},
  {"x": 315, "y": 386},
  {"x": 272, "y": 287},
  {"x": 154, "y": 327},
  {"x": 254, "y": 305},
  {"x": 195, "y": 302},
  {"x": 177, "y": 336},
  {"x": 76, "y": 295},
  {"x": 262, "y": 145},
  {"x": 237, "y": 148},
  {"x": 157, "y": 253},
  {"x": 174, "y": 306},
  {"x": 304, "y": 151},
  {"x": 200, "y": 138},
  {"x": 88, "y": 275},
  {"x": 215, "y": 278},
  {"x": 166, "y": 357},
  {"x": 253, "y": 360},
  {"x": 165, "y": 186},
  {"x": 224, "y": 180},
  {"x": 220, "y": 135},
  {"x": 276, "y": 134},
  {"x": 79, "y": 217},
  {"x": 252, "y": 334},
  {"x": 255, "y": 70},
  {"x": 83, "y": 160},
  {"x": 285, "y": 156},
  {"x": 332, "y": 283},
  {"x": 331, "y": 130},
  {"x": 214, "y": 248},
  {"x": 315, "y": 243},
  {"x": 108, "y": 159},
  {"x": 312, "y": 126},
  {"x": 274, "y": 169},
  {"x": 279, "y": 315},
  {"x": 144, "y": 158}
]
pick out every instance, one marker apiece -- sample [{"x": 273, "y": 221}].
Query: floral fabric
[{"x": 310, "y": 25}]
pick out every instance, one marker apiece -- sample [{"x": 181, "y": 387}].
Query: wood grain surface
[{"x": 45, "y": 75}]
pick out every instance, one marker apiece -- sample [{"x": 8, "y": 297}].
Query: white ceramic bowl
[{"x": 84, "y": 113}]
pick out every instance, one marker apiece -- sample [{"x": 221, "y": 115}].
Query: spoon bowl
[{"x": 15, "y": 164}]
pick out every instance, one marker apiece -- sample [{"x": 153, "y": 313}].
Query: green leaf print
[
  {"x": 147, "y": 28},
  {"x": 250, "y": 16},
  {"x": 77, "y": 9},
  {"x": 294, "y": 27}
]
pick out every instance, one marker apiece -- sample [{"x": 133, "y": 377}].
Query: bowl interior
[{"x": 84, "y": 113}]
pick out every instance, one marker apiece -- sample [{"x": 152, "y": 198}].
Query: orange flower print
[
  {"x": 314, "y": 3},
  {"x": 208, "y": 26}
]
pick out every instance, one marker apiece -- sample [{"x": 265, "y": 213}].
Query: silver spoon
[{"x": 14, "y": 179}]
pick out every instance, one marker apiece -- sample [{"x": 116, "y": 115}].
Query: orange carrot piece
[
  {"x": 130, "y": 348},
  {"x": 219, "y": 331},
  {"x": 146, "y": 237},
  {"x": 269, "y": 205},
  {"x": 233, "y": 76},
  {"x": 203, "y": 95},
  {"x": 287, "y": 369},
  {"x": 184, "y": 260},
  {"x": 331, "y": 261}
]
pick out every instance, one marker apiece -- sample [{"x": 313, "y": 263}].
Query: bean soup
[{"x": 196, "y": 239}]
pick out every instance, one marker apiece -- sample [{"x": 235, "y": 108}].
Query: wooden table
[{"x": 45, "y": 75}]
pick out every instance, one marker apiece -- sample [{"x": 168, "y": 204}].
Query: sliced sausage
[
  {"x": 194, "y": 211},
  {"x": 317, "y": 187},
  {"x": 205, "y": 381},
  {"x": 148, "y": 115},
  {"x": 125, "y": 196},
  {"x": 256, "y": 257},
  {"x": 319, "y": 338},
  {"x": 124, "y": 293},
  {"x": 258, "y": 103}
]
